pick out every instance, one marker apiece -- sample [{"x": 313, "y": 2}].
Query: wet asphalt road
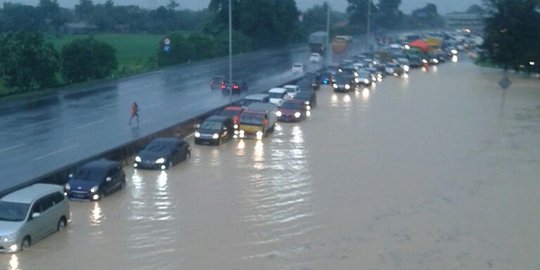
[
  {"x": 49, "y": 132},
  {"x": 418, "y": 173}
]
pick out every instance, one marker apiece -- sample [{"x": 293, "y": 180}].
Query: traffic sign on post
[{"x": 505, "y": 82}]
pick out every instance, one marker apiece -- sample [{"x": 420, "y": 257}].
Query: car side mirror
[
  {"x": 35, "y": 215},
  {"x": 108, "y": 179}
]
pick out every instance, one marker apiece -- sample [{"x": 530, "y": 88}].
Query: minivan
[{"x": 30, "y": 214}]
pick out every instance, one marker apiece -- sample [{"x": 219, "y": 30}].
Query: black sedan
[
  {"x": 215, "y": 130},
  {"x": 292, "y": 111},
  {"x": 343, "y": 82},
  {"x": 162, "y": 153},
  {"x": 95, "y": 179},
  {"x": 308, "y": 97},
  {"x": 235, "y": 87}
]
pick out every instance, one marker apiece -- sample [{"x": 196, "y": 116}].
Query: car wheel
[
  {"x": 25, "y": 244},
  {"x": 62, "y": 223},
  {"x": 187, "y": 156}
]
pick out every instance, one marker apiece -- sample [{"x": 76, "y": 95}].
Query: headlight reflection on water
[
  {"x": 14, "y": 262},
  {"x": 96, "y": 215}
]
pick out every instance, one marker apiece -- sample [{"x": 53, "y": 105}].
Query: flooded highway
[{"x": 425, "y": 172}]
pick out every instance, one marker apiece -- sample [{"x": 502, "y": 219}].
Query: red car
[
  {"x": 234, "y": 88},
  {"x": 292, "y": 111},
  {"x": 234, "y": 113}
]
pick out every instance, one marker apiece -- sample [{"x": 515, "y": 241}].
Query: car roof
[
  {"x": 256, "y": 96},
  {"x": 277, "y": 90},
  {"x": 31, "y": 193},
  {"x": 217, "y": 118}
]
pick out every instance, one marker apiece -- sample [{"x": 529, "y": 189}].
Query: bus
[{"x": 341, "y": 44}]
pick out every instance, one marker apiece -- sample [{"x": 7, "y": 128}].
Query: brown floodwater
[{"x": 425, "y": 172}]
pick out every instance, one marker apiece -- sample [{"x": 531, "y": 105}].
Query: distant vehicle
[
  {"x": 292, "y": 111},
  {"x": 404, "y": 63},
  {"x": 365, "y": 78},
  {"x": 297, "y": 68},
  {"x": 343, "y": 82},
  {"x": 292, "y": 90},
  {"x": 317, "y": 42},
  {"x": 308, "y": 97},
  {"x": 313, "y": 79},
  {"x": 95, "y": 179},
  {"x": 393, "y": 69},
  {"x": 277, "y": 95},
  {"x": 162, "y": 153},
  {"x": 30, "y": 214},
  {"x": 234, "y": 88},
  {"x": 233, "y": 112},
  {"x": 415, "y": 61},
  {"x": 215, "y": 130},
  {"x": 255, "y": 98},
  {"x": 326, "y": 77},
  {"x": 341, "y": 44},
  {"x": 315, "y": 58},
  {"x": 258, "y": 120},
  {"x": 216, "y": 81}
]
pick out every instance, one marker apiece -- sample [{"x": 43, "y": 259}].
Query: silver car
[{"x": 30, "y": 214}]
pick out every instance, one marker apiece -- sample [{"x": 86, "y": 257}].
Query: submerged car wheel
[
  {"x": 62, "y": 223},
  {"x": 187, "y": 156},
  {"x": 25, "y": 244}
]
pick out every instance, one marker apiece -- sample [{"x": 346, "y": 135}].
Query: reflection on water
[
  {"x": 365, "y": 94},
  {"x": 258, "y": 155},
  {"x": 14, "y": 262},
  {"x": 96, "y": 215}
]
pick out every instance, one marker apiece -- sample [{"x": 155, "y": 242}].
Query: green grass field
[{"x": 133, "y": 51}]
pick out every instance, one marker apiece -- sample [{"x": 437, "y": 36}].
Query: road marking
[
  {"x": 55, "y": 152},
  {"x": 92, "y": 123},
  {"x": 11, "y": 147}
]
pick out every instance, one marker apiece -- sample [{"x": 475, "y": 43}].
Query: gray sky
[{"x": 443, "y": 6}]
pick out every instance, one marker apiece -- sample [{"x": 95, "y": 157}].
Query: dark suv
[
  {"x": 215, "y": 130},
  {"x": 95, "y": 179}
]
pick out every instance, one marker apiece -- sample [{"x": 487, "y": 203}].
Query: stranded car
[
  {"x": 292, "y": 90},
  {"x": 95, "y": 179},
  {"x": 233, "y": 112},
  {"x": 292, "y": 111},
  {"x": 255, "y": 98},
  {"x": 277, "y": 95},
  {"x": 234, "y": 88},
  {"x": 315, "y": 58},
  {"x": 214, "y": 130},
  {"x": 216, "y": 81},
  {"x": 308, "y": 97},
  {"x": 162, "y": 153},
  {"x": 297, "y": 68},
  {"x": 343, "y": 82},
  {"x": 30, "y": 214}
]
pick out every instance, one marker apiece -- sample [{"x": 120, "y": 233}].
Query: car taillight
[
  {"x": 222, "y": 86},
  {"x": 235, "y": 87},
  {"x": 236, "y": 119}
]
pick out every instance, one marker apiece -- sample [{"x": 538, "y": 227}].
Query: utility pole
[
  {"x": 327, "y": 49},
  {"x": 368, "y": 24},
  {"x": 230, "y": 49}
]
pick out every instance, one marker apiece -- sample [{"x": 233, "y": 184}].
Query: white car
[
  {"x": 297, "y": 68},
  {"x": 292, "y": 90},
  {"x": 277, "y": 95},
  {"x": 315, "y": 58}
]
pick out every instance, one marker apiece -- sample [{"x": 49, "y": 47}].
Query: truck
[
  {"x": 257, "y": 120},
  {"x": 341, "y": 44},
  {"x": 317, "y": 42}
]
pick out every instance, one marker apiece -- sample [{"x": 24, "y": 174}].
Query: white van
[
  {"x": 255, "y": 98},
  {"x": 277, "y": 95},
  {"x": 30, "y": 214},
  {"x": 292, "y": 90}
]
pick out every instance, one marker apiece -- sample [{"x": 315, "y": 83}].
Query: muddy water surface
[{"x": 428, "y": 172}]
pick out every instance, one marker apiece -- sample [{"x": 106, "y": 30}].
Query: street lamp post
[
  {"x": 230, "y": 49},
  {"x": 327, "y": 51},
  {"x": 368, "y": 24}
]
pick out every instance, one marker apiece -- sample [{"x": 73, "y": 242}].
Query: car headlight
[
  {"x": 94, "y": 189},
  {"x": 138, "y": 159},
  {"x": 297, "y": 114},
  {"x": 406, "y": 67},
  {"x": 215, "y": 136},
  {"x": 160, "y": 160},
  {"x": 10, "y": 237},
  {"x": 306, "y": 102},
  {"x": 424, "y": 61},
  {"x": 334, "y": 85},
  {"x": 259, "y": 135},
  {"x": 366, "y": 81},
  {"x": 67, "y": 186},
  {"x": 347, "y": 86},
  {"x": 356, "y": 80},
  {"x": 197, "y": 134},
  {"x": 453, "y": 51},
  {"x": 235, "y": 126},
  {"x": 278, "y": 113}
]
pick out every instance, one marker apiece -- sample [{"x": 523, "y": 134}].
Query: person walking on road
[{"x": 134, "y": 112}]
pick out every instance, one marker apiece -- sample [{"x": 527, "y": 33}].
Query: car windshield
[
  {"x": 251, "y": 118},
  {"x": 276, "y": 95},
  {"x": 292, "y": 106},
  {"x": 297, "y": 65},
  {"x": 211, "y": 125},
  {"x": 291, "y": 89},
  {"x": 363, "y": 74},
  {"x": 343, "y": 77},
  {"x": 303, "y": 95},
  {"x": 12, "y": 211},
  {"x": 158, "y": 147},
  {"x": 91, "y": 174}
]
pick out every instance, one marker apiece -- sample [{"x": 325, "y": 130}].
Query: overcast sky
[{"x": 443, "y": 6}]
